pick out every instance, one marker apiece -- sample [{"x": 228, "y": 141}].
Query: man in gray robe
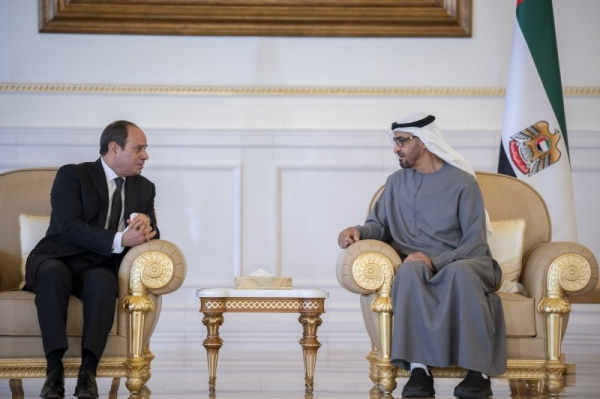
[{"x": 445, "y": 309}]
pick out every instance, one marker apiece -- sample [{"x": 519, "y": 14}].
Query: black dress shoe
[
  {"x": 54, "y": 386},
  {"x": 474, "y": 386},
  {"x": 86, "y": 385},
  {"x": 419, "y": 385}
]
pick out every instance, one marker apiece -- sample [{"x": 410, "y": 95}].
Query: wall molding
[
  {"x": 72, "y": 88},
  {"x": 226, "y": 137}
]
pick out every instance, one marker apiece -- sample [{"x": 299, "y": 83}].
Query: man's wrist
[{"x": 117, "y": 246}]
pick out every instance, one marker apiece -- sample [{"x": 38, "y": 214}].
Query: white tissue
[
  {"x": 131, "y": 217},
  {"x": 260, "y": 273}
]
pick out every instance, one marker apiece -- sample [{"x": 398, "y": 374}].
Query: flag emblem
[{"x": 534, "y": 148}]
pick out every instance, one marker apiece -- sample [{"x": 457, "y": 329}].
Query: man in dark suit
[{"x": 90, "y": 231}]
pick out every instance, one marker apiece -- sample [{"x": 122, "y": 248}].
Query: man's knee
[
  {"x": 462, "y": 271},
  {"x": 99, "y": 281},
  {"x": 52, "y": 273},
  {"x": 411, "y": 268},
  {"x": 410, "y": 272}
]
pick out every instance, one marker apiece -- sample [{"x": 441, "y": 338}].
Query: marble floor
[{"x": 183, "y": 374}]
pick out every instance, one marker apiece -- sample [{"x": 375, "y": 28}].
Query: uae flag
[{"x": 534, "y": 132}]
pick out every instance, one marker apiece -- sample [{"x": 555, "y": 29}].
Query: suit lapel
[{"x": 99, "y": 180}]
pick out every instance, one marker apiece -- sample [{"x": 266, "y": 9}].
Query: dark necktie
[{"x": 115, "y": 209}]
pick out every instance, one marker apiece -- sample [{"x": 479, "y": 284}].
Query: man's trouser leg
[
  {"x": 97, "y": 289},
  {"x": 52, "y": 287}
]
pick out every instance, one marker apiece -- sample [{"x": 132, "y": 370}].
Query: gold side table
[{"x": 309, "y": 303}]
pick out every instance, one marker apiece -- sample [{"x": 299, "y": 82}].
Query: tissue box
[{"x": 263, "y": 283}]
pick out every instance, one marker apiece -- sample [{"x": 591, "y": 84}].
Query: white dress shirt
[{"x": 110, "y": 175}]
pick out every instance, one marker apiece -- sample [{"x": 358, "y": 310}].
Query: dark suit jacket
[{"x": 79, "y": 200}]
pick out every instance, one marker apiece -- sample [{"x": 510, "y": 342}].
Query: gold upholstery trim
[
  {"x": 274, "y": 90},
  {"x": 516, "y": 369},
  {"x": 36, "y": 367},
  {"x": 272, "y": 305}
]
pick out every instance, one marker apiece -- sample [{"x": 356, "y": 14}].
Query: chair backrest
[
  {"x": 23, "y": 191},
  {"x": 508, "y": 198}
]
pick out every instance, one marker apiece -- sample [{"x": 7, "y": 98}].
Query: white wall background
[{"x": 267, "y": 181}]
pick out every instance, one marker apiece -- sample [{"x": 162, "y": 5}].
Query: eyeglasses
[{"x": 401, "y": 140}]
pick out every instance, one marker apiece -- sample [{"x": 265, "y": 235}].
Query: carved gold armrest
[
  {"x": 158, "y": 267},
  {"x": 550, "y": 272},
  {"x": 555, "y": 269},
  {"x": 368, "y": 266}
]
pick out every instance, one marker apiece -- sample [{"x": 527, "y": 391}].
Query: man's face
[
  {"x": 130, "y": 160},
  {"x": 409, "y": 152}
]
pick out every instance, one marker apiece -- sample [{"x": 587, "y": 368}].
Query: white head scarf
[{"x": 424, "y": 127}]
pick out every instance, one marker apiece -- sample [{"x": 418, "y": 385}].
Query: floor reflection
[{"x": 250, "y": 375}]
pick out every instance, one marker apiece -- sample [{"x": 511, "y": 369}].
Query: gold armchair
[
  {"x": 147, "y": 272},
  {"x": 535, "y": 324}
]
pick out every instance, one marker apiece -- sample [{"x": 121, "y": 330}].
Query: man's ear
[{"x": 113, "y": 148}]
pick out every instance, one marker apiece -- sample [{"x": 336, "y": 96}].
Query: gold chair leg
[
  {"x": 149, "y": 356},
  {"x": 387, "y": 371},
  {"x": 387, "y": 379},
  {"x": 136, "y": 365},
  {"x": 554, "y": 365},
  {"x": 114, "y": 388},
  {"x": 16, "y": 388},
  {"x": 554, "y": 305},
  {"x": 212, "y": 343},
  {"x": 310, "y": 345},
  {"x": 372, "y": 357}
]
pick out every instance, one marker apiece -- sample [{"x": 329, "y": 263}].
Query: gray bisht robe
[{"x": 452, "y": 317}]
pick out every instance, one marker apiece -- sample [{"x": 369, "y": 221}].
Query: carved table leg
[
  {"x": 212, "y": 343},
  {"x": 310, "y": 345}
]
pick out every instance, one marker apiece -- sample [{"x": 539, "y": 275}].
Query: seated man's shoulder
[
  {"x": 72, "y": 169},
  {"x": 456, "y": 179},
  {"x": 77, "y": 166},
  {"x": 459, "y": 173}
]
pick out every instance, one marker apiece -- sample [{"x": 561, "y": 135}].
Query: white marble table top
[{"x": 235, "y": 293}]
